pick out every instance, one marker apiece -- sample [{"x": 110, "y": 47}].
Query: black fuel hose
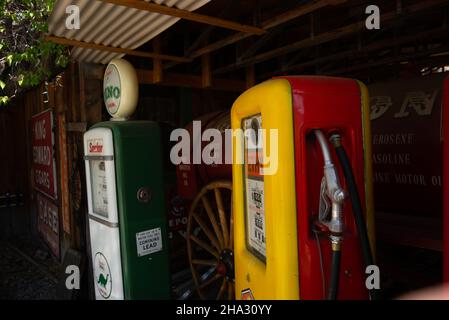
[
  {"x": 356, "y": 203},
  {"x": 335, "y": 275}
]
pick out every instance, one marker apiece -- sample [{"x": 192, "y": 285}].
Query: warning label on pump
[
  {"x": 149, "y": 241},
  {"x": 256, "y": 216}
]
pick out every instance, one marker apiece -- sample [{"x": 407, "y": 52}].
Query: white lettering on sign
[
  {"x": 112, "y": 89},
  {"x": 422, "y": 102},
  {"x": 393, "y": 139},
  {"x": 42, "y": 178},
  {"x": 42, "y": 155},
  {"x": 380, "y": 105},
  {"x": 149, "y": 241},
  {"x": 39, "y": 130}
]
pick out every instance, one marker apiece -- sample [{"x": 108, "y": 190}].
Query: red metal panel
[
  {"x": 406, "y": 129},
  {"x": 446, "y": 180},
  {"x": 329, "y": 104},
  {"x": 192, "y": 177},
  {"x": 43, "y": 155},
  {"x": 48, "y": 222}
]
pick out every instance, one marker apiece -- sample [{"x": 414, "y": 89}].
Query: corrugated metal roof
[{"x": 112, "y": 25}]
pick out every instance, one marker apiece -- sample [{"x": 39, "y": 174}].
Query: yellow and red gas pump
[{"x": 303, "y": 212}]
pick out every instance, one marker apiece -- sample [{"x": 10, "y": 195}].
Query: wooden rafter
[
  {"x": 379, "y": 45},
  {"x": 204, "y": 35},
  {"x": 191, "y": 81},
  {"x": 186, "y": 15},
  {"x": 390, "y": 60},
  {"x": 176, "y": 80},
  {"x": 230, "y": 5},
  {"x": 297, "y": 12},
  {"x": 157, "y": 63},
  {"x": 324, "y": 37},
  {"x": 89, "y": 45},
  {"x": 206, "y": 71}
]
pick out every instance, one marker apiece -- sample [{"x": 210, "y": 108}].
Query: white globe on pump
[{"x": 120, "y": 89}]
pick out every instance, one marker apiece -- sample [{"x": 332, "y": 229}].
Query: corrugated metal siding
[{"x": 111, "y": 25}]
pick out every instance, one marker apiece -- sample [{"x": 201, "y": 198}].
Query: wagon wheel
[{"x": 210, "y": 241}]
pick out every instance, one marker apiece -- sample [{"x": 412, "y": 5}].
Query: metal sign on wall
[
  {"x": 43, "y": 140},
  {"x": 407, "y": 145},
  {"x": 48, "y": 222}
]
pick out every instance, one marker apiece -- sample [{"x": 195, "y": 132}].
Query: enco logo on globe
[{"x": 212, "y": 153}]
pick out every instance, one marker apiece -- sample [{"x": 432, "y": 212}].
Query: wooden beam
[
  {"x": 191, "y": 81},
  {"x": 299, "y": 11},
  {"x": 186, "y": 15},
  {"x": 253, "y": 48},
  {"x": 250, "y": 76},
  {"x": 390, "y": 60},
  {"x": 230, "y": 5},
  {"x": 379, "y": 45},
  {"x": 348, "y": 54},
  {"x": 268, "y": 24},
  {"x": 157, "y": 63},
  {"x": 206, "y": 72},
  {"x": 89, "y": 45},
  {"x": 324, "y": 37},
  {"x": 82, "y": 93}
]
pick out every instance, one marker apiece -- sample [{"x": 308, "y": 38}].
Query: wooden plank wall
[
  {"x": 14, "y": 174},
  {"x": 76, "y": 103}
]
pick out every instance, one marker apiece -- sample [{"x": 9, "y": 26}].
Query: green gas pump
[{"x": 126, "y": 200}]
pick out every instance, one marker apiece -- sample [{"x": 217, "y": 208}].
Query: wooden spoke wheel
[{"x": 210, "y": 241}]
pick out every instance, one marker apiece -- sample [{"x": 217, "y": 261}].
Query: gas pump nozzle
[{"x": 334, "y": 192}]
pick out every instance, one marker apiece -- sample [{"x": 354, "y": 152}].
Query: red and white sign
[
  {"x": 48, "y": 222},
  {"x": 44, "y": 167},
  {"x": 95, "y": 145}
]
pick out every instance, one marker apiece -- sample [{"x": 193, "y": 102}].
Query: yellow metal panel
[
  {"x": 366, "y": 123},
  {"x": 278, "y": 277}
]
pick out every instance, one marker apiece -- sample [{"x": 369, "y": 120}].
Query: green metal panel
[{"x": 138, "y": 163}]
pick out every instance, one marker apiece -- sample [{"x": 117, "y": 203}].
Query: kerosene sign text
[{"x": 43, "y": 159}]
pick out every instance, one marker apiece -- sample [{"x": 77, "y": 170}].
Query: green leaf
[
  {"x": 9, "y": 59},
  {"x": 2, "y": 85},
  {"x": 4, "y": 100}
]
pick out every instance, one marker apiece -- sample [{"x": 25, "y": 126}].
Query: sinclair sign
[{"x": 44, "y": 168}]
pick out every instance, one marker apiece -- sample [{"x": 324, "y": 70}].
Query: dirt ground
[{"x": 20, "y": 279}]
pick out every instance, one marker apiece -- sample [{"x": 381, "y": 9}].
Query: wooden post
[
  {"x": 250, "y": 76},
  {"x": 82, "y": 91},
  {"x": 185, "y": 106},
  {"x": 157, "y": 63},
  {"x": 206, "y": 71}
]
